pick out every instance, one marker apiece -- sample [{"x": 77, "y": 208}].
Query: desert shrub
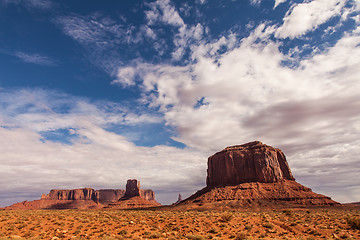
[
  {"x": 226, "y": 217},
  {"x": 123, "y": 232},
  {"x": 195, "y": 237},
  {"x": 248, "y": 227},
  {"x": 241, "y": 236},
  {"x": 212, "y": 230},
  {"x": 155, "y": 235},
  {"x": 353, "y": 222},
  {"x": 268, "y": 225}
]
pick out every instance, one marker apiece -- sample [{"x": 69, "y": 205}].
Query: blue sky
[{"x": 93, "y": 93}]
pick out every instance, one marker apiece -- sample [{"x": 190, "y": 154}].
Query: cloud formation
[
  {"x": 35, "y": 58},
  {"x": 248, "y": 93},
  {"x": 307, "y": 16},
  {"x": 163, "y": 12},
  {"x": 277, "y": 2}
]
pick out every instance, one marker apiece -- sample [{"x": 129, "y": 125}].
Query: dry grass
[{"x": 143, "y": 224}]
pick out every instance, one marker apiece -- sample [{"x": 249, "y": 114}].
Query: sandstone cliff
[
  {"x": 72, "y": 194},
  {"x": 251, "y": 162}
]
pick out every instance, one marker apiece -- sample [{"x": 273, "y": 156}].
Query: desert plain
[{"x": 166, "y": 223}]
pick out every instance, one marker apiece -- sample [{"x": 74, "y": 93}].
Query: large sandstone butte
[
  {"x": 83, "y": 198},
  {"x": 253, "y": 174},
  {"x": 251, "y": 162}
]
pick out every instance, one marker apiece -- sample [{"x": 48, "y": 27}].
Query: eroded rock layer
[{"x": 251, "y": 162}]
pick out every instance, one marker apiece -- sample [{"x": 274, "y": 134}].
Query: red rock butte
[
  {"x": 253, "y": 174},
  {"x": 251, "y": 162}
]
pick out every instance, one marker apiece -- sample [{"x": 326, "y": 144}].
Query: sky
[{"x": 93, "y": 93}]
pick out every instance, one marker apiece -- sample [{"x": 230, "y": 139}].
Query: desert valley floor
[{"x": 162, "y": 223}]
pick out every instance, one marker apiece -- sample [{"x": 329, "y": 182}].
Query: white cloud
[
  {"x": 307, "y": 16},
  {"x": 35, "y": 58},
  {"x": 277, "y": 2},
  {"x": 125, "y": 76},
  {"x": 255, "y": 2},
  {"x": 41, "y": 110},
  {"x": 185, "y": 37},
  {"x": 162, "y": 11},
  {"x": 148, "y": 32}
]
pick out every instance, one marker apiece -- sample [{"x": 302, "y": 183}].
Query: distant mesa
[
  {"x": 88, "y": 198},
  {"x": 253, "y": 174}
]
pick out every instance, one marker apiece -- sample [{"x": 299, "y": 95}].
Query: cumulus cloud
[
  {"x": 35, "y": 58},
  {"x": 125, "y": 76},
  {"x": 307, "y": 16}
]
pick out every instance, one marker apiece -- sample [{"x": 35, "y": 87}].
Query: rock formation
[
  {"x": 72, "y": 194},
  {"x": 251, "y": 162},
  {"x": 86, "y": 198},
  {"x": 253, "y": 174},
  {"x": 106, "y": 196},
  {"x": 132, "y": 188},
  {"x": 179, "y": 200},
  {"x": 134, "y": 197}
]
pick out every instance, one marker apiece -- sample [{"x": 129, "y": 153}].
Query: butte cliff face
[
  {"x": 72, "y": 194},
  {"x": 253, "y": 174},
  {"x": 251, "y": 162}
]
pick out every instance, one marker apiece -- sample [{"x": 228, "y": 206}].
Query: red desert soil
[{"x": 164, "y": 223}]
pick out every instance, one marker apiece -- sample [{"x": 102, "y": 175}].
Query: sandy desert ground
[{"x": 321, "y": 223}]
